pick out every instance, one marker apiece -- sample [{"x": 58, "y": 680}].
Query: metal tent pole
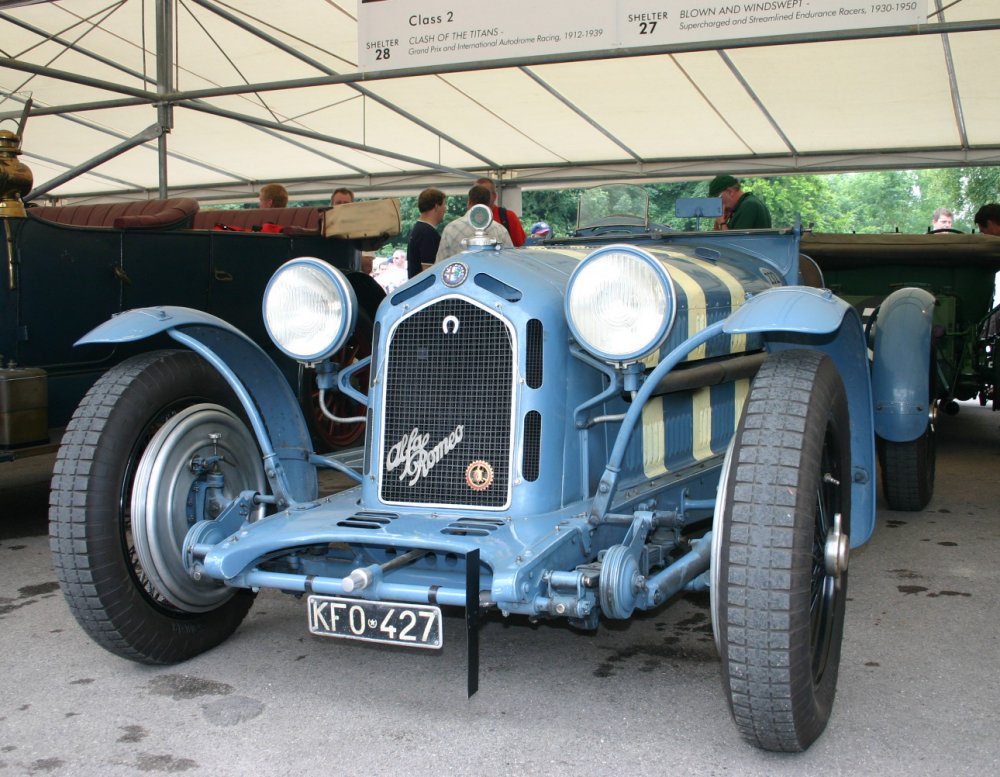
[
  {"x": 164, "y": 83},
  {"x": 148, "y": 134}
]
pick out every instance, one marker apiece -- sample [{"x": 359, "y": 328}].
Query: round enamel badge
[
  {"x": 454, "y": 274},
  {"x": 479, "y": 475}
]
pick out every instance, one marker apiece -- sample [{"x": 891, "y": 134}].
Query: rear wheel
[
  {"x": 124, "y": 493},
  {"x": 908, "y": 467},
  {"x": 780, "y": 549},
  {"x": 908, "y": 471}
]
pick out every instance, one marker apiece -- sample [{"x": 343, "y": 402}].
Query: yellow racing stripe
[
  {"x": 737, "y": 295},
  {"x": 701, "y": 439},
  {"x": 742, "y": 388},
  {"x": 696, "y": 304},
  {"x": 654, "y": 453}
]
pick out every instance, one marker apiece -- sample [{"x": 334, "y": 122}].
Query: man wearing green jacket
[{"x": 741, "y": 210}]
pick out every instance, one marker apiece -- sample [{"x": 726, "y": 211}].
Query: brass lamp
[{"x": 15, "y": 177}]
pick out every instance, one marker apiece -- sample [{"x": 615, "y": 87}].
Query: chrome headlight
[
  {"x": 309, "y": 309},
  {"x": 620, "y": 303}
]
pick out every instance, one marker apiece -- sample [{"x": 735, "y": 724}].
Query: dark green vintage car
[
  {"x": 66, "y": 269},
  {"x": 940, "y": 289}
]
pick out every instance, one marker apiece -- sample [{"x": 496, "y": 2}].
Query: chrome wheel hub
[{"x": 837, "y": 550}]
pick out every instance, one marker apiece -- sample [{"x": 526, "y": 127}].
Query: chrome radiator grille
[{"x": 446, "y": 427}]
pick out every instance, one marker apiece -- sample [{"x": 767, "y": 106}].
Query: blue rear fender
[
  {"x": 901, "y": 365},
  {"x": 267, "y": 399},
  {"x": 805, "y": 317}
]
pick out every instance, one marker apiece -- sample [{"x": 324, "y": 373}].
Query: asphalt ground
[{"x": 918, "y": 692}]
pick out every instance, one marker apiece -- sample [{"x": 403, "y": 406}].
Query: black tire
[
  {"x": 122, "y": 604},
  {"x": 779, "y": 566},
  {"x": 908, "y": 471},
  {"x": 908, "y": 468}
]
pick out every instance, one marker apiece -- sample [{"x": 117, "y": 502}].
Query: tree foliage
[
  {"x": 868, "y": 202},
  {"x": 556, "y": 207},
  {"x": 810, "y": 198}
]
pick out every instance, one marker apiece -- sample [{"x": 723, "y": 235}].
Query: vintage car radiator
[{"x": 449, "y": 389}]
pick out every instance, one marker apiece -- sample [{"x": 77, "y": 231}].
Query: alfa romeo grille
[{"x": 446, "y": 430}]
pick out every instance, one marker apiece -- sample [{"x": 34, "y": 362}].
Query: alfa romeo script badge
[
  {"x": 479, "y": 475},
  {"x": 454, "y": 274}
]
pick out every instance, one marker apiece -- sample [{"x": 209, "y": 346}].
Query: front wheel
[
  {"x": 154, "y": 446},
  {"x": 780, "y": 550}
]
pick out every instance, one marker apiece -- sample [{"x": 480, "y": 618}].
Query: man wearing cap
[{"x": 744, "y": 209}]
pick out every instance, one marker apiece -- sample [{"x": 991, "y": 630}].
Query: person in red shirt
[{"x": 507, "y": 218}]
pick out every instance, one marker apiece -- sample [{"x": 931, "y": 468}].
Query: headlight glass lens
[
  {"x": 620, "y": 304},
  {"x": 308, "y": 309}
]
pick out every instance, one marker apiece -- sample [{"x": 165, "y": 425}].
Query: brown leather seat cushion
[
  {"x": 147, "y": 214},
  {"x": 293, "y": 220}
]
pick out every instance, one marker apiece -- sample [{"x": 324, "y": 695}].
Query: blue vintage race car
[{"x": 580, "y": 429}]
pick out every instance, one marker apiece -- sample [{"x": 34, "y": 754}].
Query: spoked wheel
[
  {"x": 145, "y": 441},
  {"x": 780, "y": 552},
  {"x": 995, "y": 375},
  {"x": 328, "y": 434}
]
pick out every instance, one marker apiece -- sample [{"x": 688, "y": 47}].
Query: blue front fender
[
  {"x": 141, "y": 323},
  {"x": 268, "y": 401},
  {"x": 805, "y": 317},
  {"x": 901, "y": 365}
]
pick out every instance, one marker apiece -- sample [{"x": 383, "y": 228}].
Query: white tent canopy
[{"x": 256, "y": 91}]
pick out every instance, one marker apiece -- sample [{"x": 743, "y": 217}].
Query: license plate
[{"x": 411, "y": 625}]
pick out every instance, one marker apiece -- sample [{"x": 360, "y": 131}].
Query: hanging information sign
[{"x": 395, "y": 34}]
